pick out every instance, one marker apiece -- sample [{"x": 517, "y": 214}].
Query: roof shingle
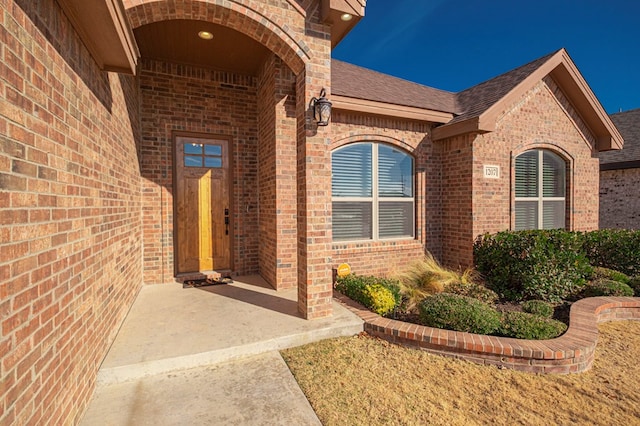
[
  {"x": 628, "y": 123},
  {"x": 362, "y": 83}
]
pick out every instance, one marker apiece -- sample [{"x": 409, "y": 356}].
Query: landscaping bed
[{"x": 523, "y": 285}]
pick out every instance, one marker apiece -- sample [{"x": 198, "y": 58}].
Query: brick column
[{"x": 314, "y": 198}]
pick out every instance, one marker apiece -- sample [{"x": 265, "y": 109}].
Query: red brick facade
[
  {"x": 619, "y": 201},
  {"x": 87, "y": 180},
  {"x": 541, "y": 119},
  {"x": 70, "y": 208}
]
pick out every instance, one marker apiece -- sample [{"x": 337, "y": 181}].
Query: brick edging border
[{"x": 573, "y": 352}]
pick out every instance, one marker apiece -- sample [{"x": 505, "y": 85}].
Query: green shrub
[
  {"x": 379, "y": 299},
  {"x": 634, "y": 283},
  {"x": 475, "y": 290},
  {"x": 539, "y": 264},
  {"x": 600, "y": 272},
  {"x": 356, "y": 287},
  {"x": 523, "y": 325},
  {"x": 538, "y": 307},
  {"x": 605, "y": 287},
  {"x": 459, "y": 313},
  {"x": 617, "y": 249}
]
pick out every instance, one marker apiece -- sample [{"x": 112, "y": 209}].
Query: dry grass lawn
[{"x": 366, "y": 381}]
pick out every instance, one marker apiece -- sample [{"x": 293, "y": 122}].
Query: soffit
[
  {"x": 332, "y": 10},
  {"x": 177, "y": 41},
  {"x": 102, "y": 26}
]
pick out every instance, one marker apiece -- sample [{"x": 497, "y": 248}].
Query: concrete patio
[{"x": 209, "y": 355}]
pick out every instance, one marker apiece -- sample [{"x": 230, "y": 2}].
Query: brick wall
[
  {"x": 70, "y": 214},
  {"x": 277, "y": 174},
  {"x": 619, "y": 201},
  {"x": 541, "y": 119},
  {"x": 182, "y": 98},
  {"x": 386, "y": 257}
]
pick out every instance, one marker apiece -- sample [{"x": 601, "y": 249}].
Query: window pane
[
  {"x": 553, "y": 175},
  {"x": 526, "y": 215},
  {"x": 213, "y": 150},
  {"x": 192, "y": 148},
  {"x": 351, "y": 171},
  {"x": 191, "y": 161},
  {"x": 395, "y": 173},
  {"x": 527, "y": 174},
  {"x": 213, "y": 162},
  {"x": 351, "y": 221},
  {"x": 553, "y": 214},
  {"x": 396, "y": 219}
]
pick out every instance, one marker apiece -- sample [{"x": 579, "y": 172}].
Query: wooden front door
[{"x": 203, "y": 228}]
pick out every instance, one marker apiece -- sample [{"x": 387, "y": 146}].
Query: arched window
[
  {"x": 372, "y": 192},
  {"x": 540, "y": 190}
]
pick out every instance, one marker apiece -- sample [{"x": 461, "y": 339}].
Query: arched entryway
[{"x": 224, "y": 93}]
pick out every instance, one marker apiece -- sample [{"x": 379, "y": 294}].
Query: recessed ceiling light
[
  {"x": 205, "y": 35},
  {"x": 346, "y": 16}
]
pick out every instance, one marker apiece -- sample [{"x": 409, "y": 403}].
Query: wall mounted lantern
[{"x": 321, "y": 109}]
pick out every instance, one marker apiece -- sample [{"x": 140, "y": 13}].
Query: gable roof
[
  {"x": 475, "y": 109},
  {"x": 481, "y": 104},
  {"x": 628, "y": 123}
]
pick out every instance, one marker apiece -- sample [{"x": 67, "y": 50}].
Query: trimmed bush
[
  {"x": 477, "y": 291},
  {"x": 539, "y": 264},
  {"x": 523, "y": 325},
  {"x": 605, "y": 287},
  {"x": 538, "y": 307},
  {"x": 459, "y": 313},
  {"x": 634, "y": 283},
  {"x": 600, "y": 272},
  {"x": 617, "y": 249},
  {"x": 379, "y": 299},
  {"x": 356, "y": 287}
]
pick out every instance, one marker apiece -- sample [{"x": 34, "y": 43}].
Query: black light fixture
[{"x": 321, "y": 109}]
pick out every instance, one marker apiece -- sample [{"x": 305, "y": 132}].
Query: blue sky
[{"x": 453, "y": 45}]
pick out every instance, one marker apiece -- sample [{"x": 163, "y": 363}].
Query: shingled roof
[
  {"x": 362, "y": 83},
  {"x": 477, "y": 99},
  {"x": 477, "y": 109},
  {"x": 628, "y": 123}
]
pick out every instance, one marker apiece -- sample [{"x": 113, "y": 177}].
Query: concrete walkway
[{"x": 209, "y": 355}]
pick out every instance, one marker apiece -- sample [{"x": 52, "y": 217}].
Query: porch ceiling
[{"x": 178, "y": 41}]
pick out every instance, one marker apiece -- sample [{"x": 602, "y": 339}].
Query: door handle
[{"x": 226, "y": 221}]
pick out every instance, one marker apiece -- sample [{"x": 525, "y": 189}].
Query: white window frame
[
  {"x": 540, "y": 198},
  {"x": 375, "y": 199}
]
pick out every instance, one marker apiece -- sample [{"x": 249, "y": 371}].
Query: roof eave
[
  {"x": 347, "y": 103},
  {"x": 331, "y": 12},
  {"x": 104, "y": 30},
  {"x": 472, "y": 125}
]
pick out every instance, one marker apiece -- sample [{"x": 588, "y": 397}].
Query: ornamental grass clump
[
  {"x": 523, "y": 325},
  {"x": 459, "y": 313},
  {"x": 427, "y": 277}
]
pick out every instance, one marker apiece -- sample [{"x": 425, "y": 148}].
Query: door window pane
[
  {"x": 193, "y": 148},
  {"x": 192, "y": 161},
  {"x": 215, "y": 150}
]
